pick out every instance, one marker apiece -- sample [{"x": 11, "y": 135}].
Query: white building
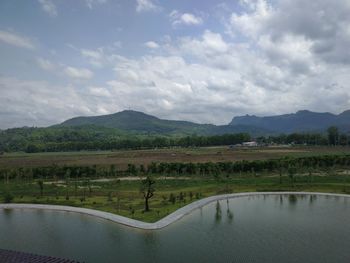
[{"x": 250, "y": 144}]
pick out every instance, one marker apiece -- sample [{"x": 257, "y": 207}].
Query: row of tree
[
  {"x": 178, "y": 169},
  {"x": 332, "y": 137},
  {"x": 58, "y": 139},
  {"x": 136, "y": 143}
]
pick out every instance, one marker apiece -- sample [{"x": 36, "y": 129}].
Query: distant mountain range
[
  {"x": 302, "y": 121},
  {"x": 141, "y": 123},
  {"x": 125, "y": 127}
]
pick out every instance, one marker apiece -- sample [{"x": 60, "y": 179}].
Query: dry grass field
[{"x": 124, "y": 157}]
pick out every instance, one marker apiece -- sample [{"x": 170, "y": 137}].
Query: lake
[{"x": 265, "y": 228}]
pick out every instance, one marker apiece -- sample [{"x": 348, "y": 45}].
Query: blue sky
[{"x": 203, "y": 61}]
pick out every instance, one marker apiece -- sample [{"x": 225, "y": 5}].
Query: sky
[{"x": 201, "y": 61}]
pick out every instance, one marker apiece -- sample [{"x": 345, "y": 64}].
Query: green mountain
[
  {"x": 301, "y": 121},
  {"x": 135, "y": 130},
  {"x": 141, "y": 123}
]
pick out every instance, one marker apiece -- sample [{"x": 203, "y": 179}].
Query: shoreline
[{"x": 169, "y": 219}]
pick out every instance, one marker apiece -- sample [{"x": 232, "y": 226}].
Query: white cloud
[
  {"x": 184, "y": 19},
  {"x": 251, "y": 22},
  {"x": 16, "y": 40},
  {"x": 275, "y": 57},
  {"x": 152, "y": 45},
  {"x": 147, "y": 6},
  {"x": 49, "y": 7},
  {"x": 102, "y": 56},
  {"x": 38, "y": 103},
  {"x": 209, "y": 44},
  {"x": 78, "y": 73},
  {"x": 322, "y": 24},
  {"x": 95, "y": 57},
  {"x": 45, "y": 64},
  {"x": 92, "y": 54},
  {"x": 99, "y": 91},
  {"x": 207, "y": 79},
  {"x": 91, "y": 3}
]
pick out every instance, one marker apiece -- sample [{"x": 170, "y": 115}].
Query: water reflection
[
  {"x": 8, "y": 212},
  {"x": 292, "y": 199},
  {"x": 312, "y": 199},
  {"x": 218, "y": 211},
  {"x": 228, "y": 212},
  {"x": 150, "y": 237}
]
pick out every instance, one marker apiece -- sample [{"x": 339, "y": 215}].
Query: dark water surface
[{"x": 246, "y": 229}]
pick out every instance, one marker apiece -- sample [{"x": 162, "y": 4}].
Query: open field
[{"x": 197, "y": 155}]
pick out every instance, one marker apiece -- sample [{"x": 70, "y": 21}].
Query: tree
[
  {"x": 41, "y": 187},
  {"x": 8, "y": 197},
  {"x": 333, "y": 135},
  {"x": 280, "y": 172},
  {"x": 132, "y": 169},
  {"x": 147, "y": 190},
  {"x": 112, "y": 170},
  {"x": 67, "y": 177},
  {"x": 291, "y": 173}
]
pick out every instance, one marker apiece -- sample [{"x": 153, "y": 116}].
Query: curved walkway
[{"x": 162, "y": 222}]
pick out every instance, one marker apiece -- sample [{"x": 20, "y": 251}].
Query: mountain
[
  {"x": 141, "y": 123},
  {"x": 301, "y": 121}
]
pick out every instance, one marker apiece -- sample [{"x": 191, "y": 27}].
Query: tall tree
[
  {"x": 147, "y": 189},
  {"x": 41, "y": 187},
  {"x": 333, "y": 135}
]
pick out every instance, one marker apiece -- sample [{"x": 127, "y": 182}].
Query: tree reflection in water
[
  {"x": 218, "y": 212},
  {"x": 228, "y": 212}
]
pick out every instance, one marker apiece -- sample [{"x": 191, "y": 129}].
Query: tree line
[
  {"x": 87, "y": 138},
  {"x": 178, "y": 169},
  {"x": 332, "y": 137},
  {"x": 135, "y": 142}
]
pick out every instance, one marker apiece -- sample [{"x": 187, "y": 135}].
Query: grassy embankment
[{"x": 123, "y": 197}]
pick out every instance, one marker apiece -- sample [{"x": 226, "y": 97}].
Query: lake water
[{"x": 248, "y": 229}]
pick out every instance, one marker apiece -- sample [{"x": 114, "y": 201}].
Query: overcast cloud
[{"x": 203, "y": 62}]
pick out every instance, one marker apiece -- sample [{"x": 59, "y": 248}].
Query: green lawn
[{"x": 123, "y": 197}]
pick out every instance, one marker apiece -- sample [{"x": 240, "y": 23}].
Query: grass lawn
[{"x": 124, "y": 198}]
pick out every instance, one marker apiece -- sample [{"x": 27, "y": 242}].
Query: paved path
[{"x": 162, "y": 222}]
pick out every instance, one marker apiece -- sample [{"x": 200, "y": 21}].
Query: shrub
[{"x": 8, "y": 197}]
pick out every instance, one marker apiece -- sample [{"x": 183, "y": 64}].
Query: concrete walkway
[{"x": 171, "y": 218}]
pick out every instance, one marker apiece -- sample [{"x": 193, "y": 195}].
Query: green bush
[{"x": 8, "y": 197}]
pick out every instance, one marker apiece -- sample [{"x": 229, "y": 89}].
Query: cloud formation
[
  {"x": 49, "y": 7},
  {"x": 146, "y": 6},
  {"x": 262, "y": 57},
  {"x": 91, "y": 3},
  {"x": 178, "y": 18},
  {"x": 45, "y": 64},
  {"x": 152, "y": 45},
  {"x": 16, "y": 40},
  {"x": 78, "y": 73}
]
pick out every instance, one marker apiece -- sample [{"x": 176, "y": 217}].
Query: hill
[
  {"x": 141, "y": 123},
  {"x": 301, "y": 121}
]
